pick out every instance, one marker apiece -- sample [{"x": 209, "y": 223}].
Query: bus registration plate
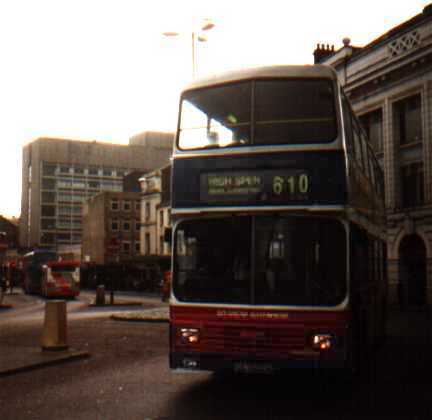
[{"x": 253, "y": 367}]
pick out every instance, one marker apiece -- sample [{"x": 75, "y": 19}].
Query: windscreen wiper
[{"x": 211, "y": 146}]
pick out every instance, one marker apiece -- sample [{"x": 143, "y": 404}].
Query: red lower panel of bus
[
  {"x": 212, "y": 338},
  {"x": 61, "y": 287},
  {"x": 62, "y": 292}
]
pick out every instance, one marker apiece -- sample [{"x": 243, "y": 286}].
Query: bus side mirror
[{"x": 168, "y": 235}]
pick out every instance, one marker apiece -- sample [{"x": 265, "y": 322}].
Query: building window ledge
[
  {"x": 411, "y": 145},
  {"x": 414, "y": 211}
]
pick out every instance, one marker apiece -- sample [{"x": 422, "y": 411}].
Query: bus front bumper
[{"x": 191, "y": 362}]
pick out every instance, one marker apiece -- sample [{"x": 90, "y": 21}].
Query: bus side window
[
  {"x": 379, "y": 182},
  {"x": 384, "y": 266},
  {"x": 348, "y": 128},
  {"x": 360, "y": 268},
  {"x": 367, "y": 158},
  {"x": 378, "y": 258},
  {"x": 372, "y": 259},
  {"x": 371, "y": 168},
  {"x": 377, "y": 177},
  {"x": 359, "y": 154}
]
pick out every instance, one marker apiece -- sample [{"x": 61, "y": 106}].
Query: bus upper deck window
[
  {"x": 216, "y": 117},
  {"x": 294, "y": 111}
]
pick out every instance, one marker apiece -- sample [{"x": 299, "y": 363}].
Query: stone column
[
  {"x": 426, "y": 104},
  {"x": 391, "y": 174},
  {"x": 393, "y": 263},
  {"x": 429, "y": 279},
  {"x": 393, "y": 280},
  {"x": 427, "y": 167},
  {"x": 391, "y": 185}
]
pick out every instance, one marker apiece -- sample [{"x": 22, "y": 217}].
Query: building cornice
[
  {"x": 371, "y": 74},
  {"x": 396, "y": 32},
  {"x": 388, "y": 77}
]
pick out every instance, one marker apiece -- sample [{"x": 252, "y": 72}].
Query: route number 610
[{"x": 292, "y": 184}]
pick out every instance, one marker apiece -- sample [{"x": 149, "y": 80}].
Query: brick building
[
  {"x": 389, "y": 83},
  {"x": 111, "y": 227}
]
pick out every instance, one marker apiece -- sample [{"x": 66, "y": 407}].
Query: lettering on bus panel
[{"x": 256, "y": 186}]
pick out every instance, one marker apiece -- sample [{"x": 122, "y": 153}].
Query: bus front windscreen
[
  {"x": 43, "y": 257},
  {"x": 285, "y": 111},
  {"x": 262, "y": 260}
]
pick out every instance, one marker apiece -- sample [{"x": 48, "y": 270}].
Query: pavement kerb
[
  {"x": 120, "y": 303},
  {"x": 148, "y": 320},
  {"x": 56, "y": 358},
  {"x": 149, "y": 315}
]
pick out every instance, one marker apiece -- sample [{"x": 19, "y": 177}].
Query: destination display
[
  {"x": 276, "y": 179},
  {"x": 234, "y": 184},
  {"x": 270, "y": 185}
]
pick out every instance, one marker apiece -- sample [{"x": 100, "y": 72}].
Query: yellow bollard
[{"x": 54, "y": 335}]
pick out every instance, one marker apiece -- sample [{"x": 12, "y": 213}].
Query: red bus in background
[
  {"x": 278, "y": 240},
  {"x": 30, "y": 267},
  {"x": 61, "y": 279}
]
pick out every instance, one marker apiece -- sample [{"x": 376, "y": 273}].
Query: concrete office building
[
  {"x": 389, "y": 84},
  {"x": 153, "y": 139},
  {"x": 58, "y": 175}
]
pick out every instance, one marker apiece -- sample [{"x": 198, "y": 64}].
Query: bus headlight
[
  {"x": 189, "y": 335},
  {"x": 49, "y": 278},
  {"x": 322, "y": 341},
  {"x": 76, "y": 277}
]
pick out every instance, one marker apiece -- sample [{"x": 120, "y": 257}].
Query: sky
[{"x": 102, "y": 70}]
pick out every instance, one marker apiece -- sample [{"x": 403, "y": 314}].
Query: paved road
[
  {"x": 30, "y": 308},
  {"x": 127, "y": 377}
]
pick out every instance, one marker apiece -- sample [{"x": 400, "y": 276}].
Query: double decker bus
[
  {"x": 278, "y": 240},
  {"x": 31, "y": 265},
  {"x": 61, "y": 279}
]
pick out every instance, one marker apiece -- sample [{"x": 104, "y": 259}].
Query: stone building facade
[
  {"x": 389, "y": 84},
  {"x": 59, "y": 175},
  {"x": 8, "y": 237},
  {"x": 155, "y": 211}
]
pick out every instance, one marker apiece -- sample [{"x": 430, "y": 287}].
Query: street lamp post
[{"x": 196, "y": 36}]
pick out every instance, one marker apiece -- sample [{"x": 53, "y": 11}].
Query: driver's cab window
[{"x": 187, "y": 251}]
